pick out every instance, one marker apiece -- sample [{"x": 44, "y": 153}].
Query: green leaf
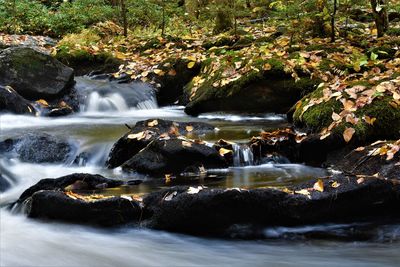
[{"x": 373, "y": 56}]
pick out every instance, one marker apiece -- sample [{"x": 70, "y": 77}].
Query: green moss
[{"x": 320, "y": 116}]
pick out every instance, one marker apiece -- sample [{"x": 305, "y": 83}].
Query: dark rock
[
  {"x": 34, "y": 75},
  {"x": 125, "y": 147},
  {"x": 177, "y": 75},
  {"x": 56, "y": 205},
  {"x": 365, "y": 163},
  {"x": 173, "y": 155},
  {"x": 212, "y": 211},
  {"x": 272, "y": 91},
  {"x": 38, "y": 148},
  {"x": 11, "y": 101},
  {"x": 48, "y": 200},
  {"x": 56, "y": 184}
]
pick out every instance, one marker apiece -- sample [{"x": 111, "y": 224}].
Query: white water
[
  {"x": 242, "y": 155},
  {"x": 26, "y": 242}
]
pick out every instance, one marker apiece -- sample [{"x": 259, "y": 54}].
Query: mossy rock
[
  {"x": 319, "y": 116},
  {"x": 84, "y": 62},
  {"x": 272, "y": 90}
]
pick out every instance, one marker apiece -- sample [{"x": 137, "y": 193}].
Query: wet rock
[
  {"x": 172, "y": 155},
  {"x": 212, "y": 211},
  {"x": 56, "y": 205},
  {"x": 177, "y": 75},
  {"x": 85, "y": 181},
  {"x": 145, "y": 132},
  {"x": 11, "y": 101},
  {"x": 34, "y": 75},
  {"x": 369, "y": 160},
  {"x": 52, "y": 199},
  {"x": 38, "y": 148},
  {"x": 256, "y": 91}
]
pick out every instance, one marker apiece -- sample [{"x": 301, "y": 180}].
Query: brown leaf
[
  {"x": 348, "y": 134},
  {"x": 186, "y": 144},
  {"x": 319, "y": 185}
]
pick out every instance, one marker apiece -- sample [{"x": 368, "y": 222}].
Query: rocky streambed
[{"x": 119, "y": 162}]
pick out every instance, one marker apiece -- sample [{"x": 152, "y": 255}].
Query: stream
[{"x": 105, "y": 109}]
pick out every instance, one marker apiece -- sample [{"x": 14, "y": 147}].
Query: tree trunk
[
  {"x": 124, "y": 19},
  {"x": 379, "y": 9},
  {"x": 333, "y": 21}
]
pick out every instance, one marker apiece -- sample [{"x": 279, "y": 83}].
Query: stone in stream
[
  {"x": 380, "y": 158},
  {"x": 204, "y": 211},
  {"x": 11, "y": 101},
  {"x": 53, "y": 199},
  {"x": 174, "y": 155},
  {"x": 145, "y": 132},
  {"x": 34, "y": 75},
  {"x": 38, "y": 148}
]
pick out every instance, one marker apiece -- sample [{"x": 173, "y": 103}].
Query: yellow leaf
[
  {"x": 191, "y": 64},
  {"x": 369, "y": 120},
  {"x": 152, "y": 123},
  {"x": 348, "y": 134},
  {"x": 335, "y": 184},
  {"x": 189, "y": 128},
  {"x": 137, "y": 136},
  {"x": 303, "y": 192},
  {"x": 42, "y": 102},
  {"x": 159, "y": 72},
  {"x": 267, "y": 66},
  {"x": 191, "y": 58},
  {"x": 319, "y": 186},
  {"x": 186, "y": 144},
  {"x": 223, "y": 151},
  {"x": 167, "y": 178}
]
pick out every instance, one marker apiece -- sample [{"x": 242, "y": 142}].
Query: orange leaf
[{"x": 348, "y": 134}]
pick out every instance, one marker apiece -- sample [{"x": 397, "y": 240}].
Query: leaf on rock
[
  {"x": 335, "y": 184},
  {"x": 186, "y": 144},
  {"x": 189, "y": 128},
  {"x": 223, "y": 151},
  {"x": 152, "y": 123},
  {"x": 319, "y": 185},
  {"x": 194, "y": 190},
  {"x": 170, "y": 196},
  {"x": 191, "y": 64},
  {"x": 348, "y": 134}
]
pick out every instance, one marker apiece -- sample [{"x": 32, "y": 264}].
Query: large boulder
[
  {"x": 211, "y": 211},
  {"x": 145, "y": 132},
  {"x": 174, "y": 155},
  {"x": 11, "y": 101},
  {"x": 38, "y": 148},
  {"x": 34, "y": 75},
  {"x": 258, "y": 90},
  {"x": 57, "y": 199}
]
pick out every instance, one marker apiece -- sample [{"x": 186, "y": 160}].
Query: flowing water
[{"x": 106, "y": 108}]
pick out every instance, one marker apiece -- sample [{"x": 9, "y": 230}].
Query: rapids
[{"x": 106, "y": 108}]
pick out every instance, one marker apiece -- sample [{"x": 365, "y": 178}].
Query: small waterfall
[
  {"x": 242, "y": 155},
  {"x": 105, "y": 95}
]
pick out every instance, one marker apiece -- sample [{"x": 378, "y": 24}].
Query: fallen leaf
[
  {"x": 360, "y": 180},
  {"x": 189, "y": 128},
  {"x": 358, "y": 149},
  {"x": 194, "y": 190},
  {"x": 42, "y": 102},
  {"x": 335, "y": 184},
  {"x": 170, "y": 196},
  {"x": 152, "y": 123},
  {"x": 348, "y": 134},
  {"x": 186, "y": 144},
  {"x": 319, "y": 185},
  {"x": 223, "y": 151},
  {"x": 191, "y": 64}
]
